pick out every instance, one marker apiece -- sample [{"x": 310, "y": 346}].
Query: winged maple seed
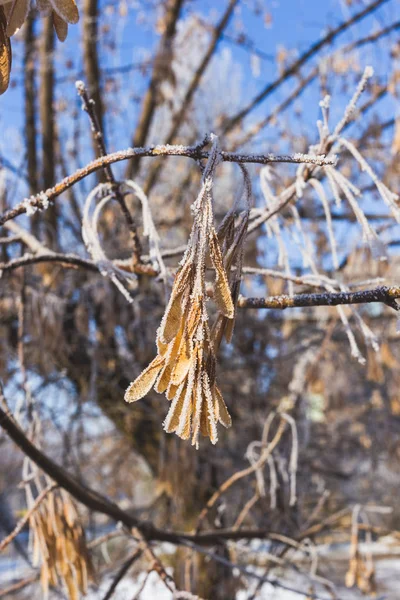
[
  {"x": 59, "y": 545},
  {"x": 5, "y": 53},
  {"x": 185, "y": 366},
  {"x": 13, "y": 15}
]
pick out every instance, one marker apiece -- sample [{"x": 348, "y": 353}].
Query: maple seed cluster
[
  {"x": 59, "y": 545},
  {"x": 185, "y": 366},
  {"x": 13, "y": 15}
]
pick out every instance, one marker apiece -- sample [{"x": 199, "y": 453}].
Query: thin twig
[
  {"x": 88, "y": 106},
  {"x": 122, "y": 572}
]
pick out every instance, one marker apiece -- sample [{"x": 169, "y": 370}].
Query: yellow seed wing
[
  {"x": 143, "y": 384},
  {"x": 66, "y": 9},
  {"x": 163, "y": 379},
  {"x": 172, "y": 318},
  {"x": 197, "y": 410},
  {"x": 220, "y": 409},
  {"x": 5, "y": 53},
  {"x": 170, "y": 355},
  {"x": 210, "y": 410},
  {"x": 182, "y": 362},
  {"x": 174, "y": 414},
  {"x": 171, "y": 391},
  {"x": 222, "y": 292}
]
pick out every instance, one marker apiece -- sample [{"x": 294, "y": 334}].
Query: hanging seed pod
[
  {"x": 59, "y": 545},
  {"x": 185, "y": 366}
]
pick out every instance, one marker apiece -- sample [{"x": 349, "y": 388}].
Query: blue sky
[{"x": 295, "y": 25}]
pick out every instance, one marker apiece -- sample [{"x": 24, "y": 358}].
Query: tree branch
[
  {"x": 161, "y": 71},
  {"x": 88, "y": 106},
  {"x": 40, "y": 201},
  {"x": 179, "y": 116},
  {"x": 383, "y": 294},
  {"x": 294, "y": 67}
]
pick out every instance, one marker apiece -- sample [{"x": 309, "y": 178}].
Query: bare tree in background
[{"x": 233, "y": 275}]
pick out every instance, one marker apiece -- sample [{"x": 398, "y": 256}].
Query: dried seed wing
[
  {"x": 211, "y": 364},
  {"x": 182, "y": 278},
  {"x": 70, "y": 582},
  {"x": 193, "y": 317},
  {"x": 143, "y": 384},
  {"x": 226, "y": 230},
  {"x": 5, "y": 53},
  {"x": 164, "y": 379},
  {"x": 235, "y": 250},
  {"x": 197, "y": 409},
  {"x": 162, "y": 348},
  {"x": 183, "y": 429},
  {"x": 183, "y": 361},
  {"x": 17, "y": 15},
  {"x": 211, "y": 418},
  {"x": 221, "y": 410},
  {"x": 174, "y": 414},
  {"x": 60, "y": 27},
  {"x": 230, "y": 324},
  {"x": 172, "y": 318},
  {"x": 45, "y": 579},
  {"x": 66, "y": 9},
  {"x": 185, "y": 421},
  {"x": 171, "y": 391},
  {"x": 222, "y": 292},
  {"x": 43, "y": 6},
  {"x": 204, "y": 428}
]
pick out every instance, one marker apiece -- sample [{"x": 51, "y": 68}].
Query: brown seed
[
  {"x": 66, "y": 9},
  {"x": 17, "y": 15},
  {"x": 222, "y": 292},
  {"x": 60, "y": 27}
]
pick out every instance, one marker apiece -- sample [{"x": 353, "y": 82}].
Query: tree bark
[
  {"x": 91, "y": 65},
  {"x": 30, "y": 114},
  {"x": 47, "y": 117}
]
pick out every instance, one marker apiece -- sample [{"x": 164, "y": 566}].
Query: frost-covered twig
[
  {"x": 194, "y": 152},
  {"x": 92, "y": 242}
]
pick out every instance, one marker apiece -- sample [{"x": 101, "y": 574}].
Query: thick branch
[
  {"x": 47, "y": 117},
  {"x": 385, "y": 295},
  {"x": 91, "y": 61}
]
